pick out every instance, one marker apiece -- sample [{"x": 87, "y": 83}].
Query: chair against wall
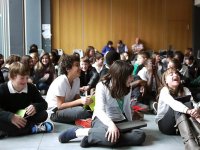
[
  {"x": 79, "y": 51},
  {"x": 40, "y": 51},
  {"x": 60, "y": 52}
]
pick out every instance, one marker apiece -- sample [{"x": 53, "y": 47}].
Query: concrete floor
[{"x": 49, "y": 141}]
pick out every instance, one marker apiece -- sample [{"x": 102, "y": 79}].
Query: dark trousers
[
  {"x": 69, "y": 115},
  {"x": 97, "y": 136},
  {"x": 167, "y": 124},
  {"x": 42, "y": 86},
  {"x": 12, "y": 130}
]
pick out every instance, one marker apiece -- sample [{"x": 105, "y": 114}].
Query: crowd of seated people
[{"x": 68, "y": 81}]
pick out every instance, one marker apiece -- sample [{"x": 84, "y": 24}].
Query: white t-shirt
[
  {"x": 144, "y": 75},
  {"x": 61, "y": 87}
]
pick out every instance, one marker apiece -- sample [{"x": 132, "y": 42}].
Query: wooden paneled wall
[{"x": 159, "y": 23}]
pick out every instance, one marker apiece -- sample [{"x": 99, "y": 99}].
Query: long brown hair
[
  {"x": 117, "y": 76},
  {"x": 177, "y": 92}
]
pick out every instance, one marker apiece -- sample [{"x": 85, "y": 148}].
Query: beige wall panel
[
  {"x": 79, "y": 23},
  {"x": 70, "y": 25},
  {"x": 124, "y": 21},
  {"x": 179, "y": 16},
  {"x": 55, "y": 24},
  {"x": 178, "y": 35},
  {"x": 179, "y": 9},
  {"x": 151, "y": 23},
  {"x": 97, "y": 23}
]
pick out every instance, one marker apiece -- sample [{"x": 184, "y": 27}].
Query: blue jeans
[{"x": 42, "y": 86}]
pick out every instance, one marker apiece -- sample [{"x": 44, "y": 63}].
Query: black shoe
[
  {"x": 2, "y": 134},
  {"x": 53, "y": 117},
  {"x": 84, "y": 142}
]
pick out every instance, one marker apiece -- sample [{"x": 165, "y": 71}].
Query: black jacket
[
  {"x": 90, "y": 77},
  {"x": 1, "y": 77}
]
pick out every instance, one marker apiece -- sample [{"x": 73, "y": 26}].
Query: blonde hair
[{"x": 18, "y": 68}]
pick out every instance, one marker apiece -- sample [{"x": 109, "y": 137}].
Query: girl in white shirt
[
  {"x": 112, "y": 105},
  {"x": 173, "y": 112}
]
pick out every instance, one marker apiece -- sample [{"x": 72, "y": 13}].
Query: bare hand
[
  {"x": 84, "y": 88},
  {"x": 112, "y": 133},
  {"x": 18, "y": 121},
  {"x": 30, "y": 110},
  {"x": 194, "y": 113},
  {"x": 142, "y": 90},
  {"x": 86, "y": 100},
  {"x": 46, "y": 76}
]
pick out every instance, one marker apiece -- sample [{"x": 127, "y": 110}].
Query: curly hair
[{"x": 66, "y": 62}]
